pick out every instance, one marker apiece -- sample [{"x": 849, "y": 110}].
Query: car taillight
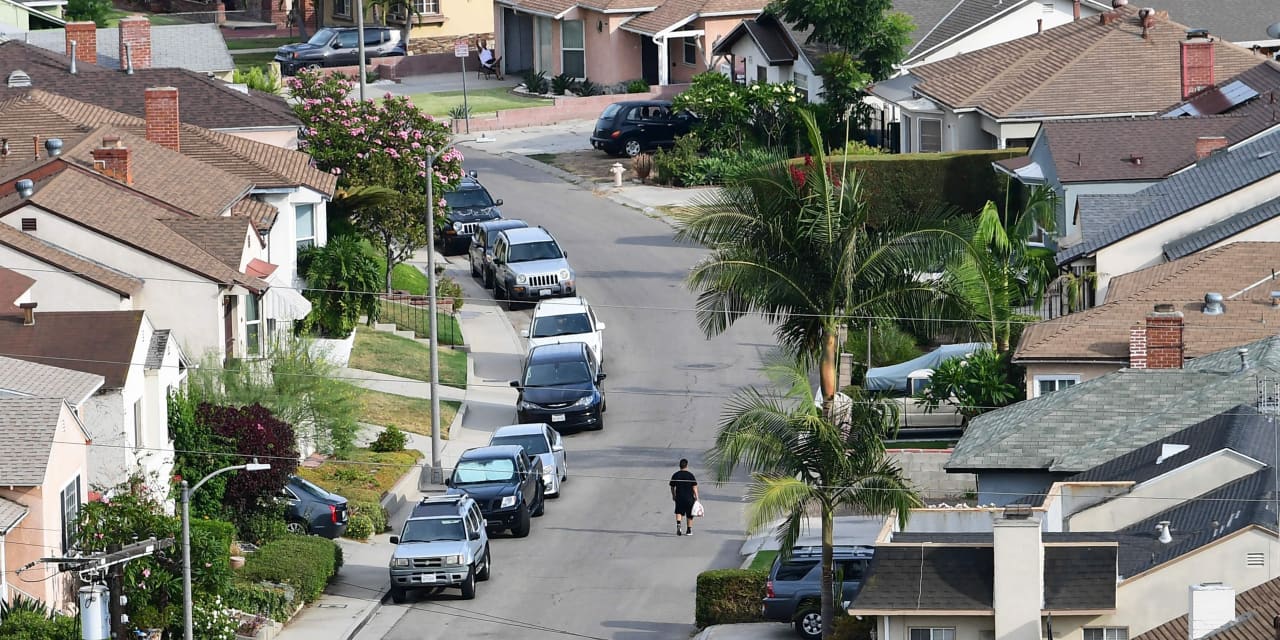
[
  {"x": 615, "y": 135},
  {"x": 333, "y": 514},
  {"x": 768, "y": 589}
]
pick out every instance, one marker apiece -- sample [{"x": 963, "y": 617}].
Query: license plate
[
  {"x": 544, "y": 292},
  {"x": 427, "y": 578},
  {"x": 557, "y": 417}
]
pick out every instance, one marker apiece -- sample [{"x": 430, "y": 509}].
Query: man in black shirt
[{"x": 684, "y": 491}]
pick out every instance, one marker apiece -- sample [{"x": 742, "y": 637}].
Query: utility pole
[
  {"x": 115, "y": 593},
  {"x": 360, "y": 44}
]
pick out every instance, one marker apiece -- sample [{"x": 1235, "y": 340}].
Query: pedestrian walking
[{"x": 684, "y": 491}]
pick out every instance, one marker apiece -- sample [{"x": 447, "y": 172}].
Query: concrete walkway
[{"x": 388, "y": 383}]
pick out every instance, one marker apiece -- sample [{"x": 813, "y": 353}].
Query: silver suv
[
  {"x": 528, "y": 266},
  {"x": 443, "y": 544}
]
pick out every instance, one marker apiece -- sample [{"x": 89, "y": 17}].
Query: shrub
[
  {"x": 728, "y": 596},
  {"x": 303, "y": 562},
  {"x": 976, "y": 383},
  {"x": 255, "y": 432},
  {"x": 391, "y": 439},
  {"x": 272, "y": 600},
  {"x": 341, "y": 278},
  {"x": 908, "y": 183},
  {"x": 360, "y": 527},
  {"x": 679, "y": 166},
  {"x": 563, "y": 83},
  {"x": 29, "y": 625},
  {"x": 460, "y": 112},
  {"x": 257, "y": 78},
  {"x": 371, "y": 510},
  {"x": 447, "y": 287},
  {"x": 731, "y": 116},
  {"x": 211, "y": 621},
  {"x": 535, "y": 81},
  {"x": 264, "y": 525},
  {"x": 211, "y": 540},
  {"x": 589, "y": 88},
  {"x": 853, "y": 628},
  {"x": 637, "y": 86}
]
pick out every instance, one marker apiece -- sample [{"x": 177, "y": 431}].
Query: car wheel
[
  {"x": 521, "y": 530},
  {"x": 808, "y": 624},
  {"x": 512, "y": 305},
  {"x": 475, "y": 273},
  {"x": 498, "y": 292},
  {"x": 483, "y": 573},
  {"x": 488, "y": 279},
  {"x": 296, "y": 528},
  {"x": 632, "y": 147},
  {"x": 469, "y": 584},
  {"x": 314, "y": 66},
  {"x": 398, "y": 595},
  {"x": 542, "y": 503}
]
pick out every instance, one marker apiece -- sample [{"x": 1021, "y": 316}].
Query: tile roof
[
  {"x": 11, "y": 513},
  {"x": 1102, "y": 333},
  {"x": 206, "y": 101},
  {"x": 223, "y": 238},
  {"x": 198, "y": 47},
  {"x": 97, "y": 342},
  {"x": 155, "y": 351},
  {"x": 23, "y": 378},
  {"x": 27, "y": 430},
  {"x": 1255, "y": 610},
  {"x": 1080, "y": 68},
  {"x": 12, "y": 286},
  {"x": 97, "y": 273}
]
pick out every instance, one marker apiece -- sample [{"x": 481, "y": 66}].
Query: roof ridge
[{"x": 935, "y": 26}]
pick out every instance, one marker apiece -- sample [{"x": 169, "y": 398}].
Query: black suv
[
  {"x": 505, "y": 482},
  {"x": 339, "y": 47},
  {"x": 631, "y": 128},
  {"x": 560, "y": 386},
  {"x": 469, "y": 205},
  {"x": 793, "y": 593}
]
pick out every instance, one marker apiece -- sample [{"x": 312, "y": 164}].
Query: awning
[
  {"x": 260, "y": 269},
  {"x": 282, "y": 301}
]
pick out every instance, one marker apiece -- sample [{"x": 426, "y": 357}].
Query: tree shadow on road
[{"x": 636, "y": 629}]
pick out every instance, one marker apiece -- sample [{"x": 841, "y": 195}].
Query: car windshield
[
  {"x": 554, "y": 374},
  {"x": 477, "y": 471},
  {"x": 468, "y": 199},
  {"x": 547, "y": 250},
  {"x": 533, "y": 443},
  {"x": 566, "y": 325},
  {"x": 610, "y": 111},
  {"x": 433, "y": 530},
  {"x": 321, "y": 38}
]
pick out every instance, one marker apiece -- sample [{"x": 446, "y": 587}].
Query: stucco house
[
  {"x": 766, "y": 49},
  {"x": 430, "y": 30},
  {"x": 1248, "y": 615},
  {"x": 196, "y": 47},
  {"x": 17, "y": 16}
]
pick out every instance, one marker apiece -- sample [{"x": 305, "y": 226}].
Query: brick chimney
[
  {"x": 85, "y": 35},
  {"x": 163, "y": 125},
  {"x": 1206, "y": 145},
  {"x": 1196, "y": 54},
  {"x": 1075, "y": 9},
  {"x": 135, "y": 43},
  {"x": 1157, "y": 344},
  {"x": 112, "y": 160}
]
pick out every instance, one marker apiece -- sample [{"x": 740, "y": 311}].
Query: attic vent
[
  {"x": 19, "y": 78},
  {"x": 1170, "y": 450},
  {"x": 1255, "y": 559},
  {"x": 28, "y": 224}
]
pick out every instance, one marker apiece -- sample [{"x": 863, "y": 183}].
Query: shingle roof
[
  {"x": 223, "y": 238},
  {"x": 1080, "y": 68},
  {"x": 13, "y": 285},
  {"x": 27, "y": 430},
  {"x": 671, "y": 13},
  {"x": 261, "y": 214},
  {"x": 1102, "y": 333},
  {"x": 11, "y": 513},
  {"x": 198, "y": 47},
  {"x": 20, "y": 377},
  {"x": 769, "y": 36},
  {"x": 1219, "y": 231},
  {"x": 962, "y": 16},
  {"x": 1103, "y": 150},
  {"x": 155, "y": 351},
  {"x": 1255, "y": 610},
  {"x": 97, "y": 273},
  {"x": 1235, "y": 20},
  {"x": 97, "y": 342}
]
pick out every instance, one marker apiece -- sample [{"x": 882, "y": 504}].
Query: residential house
[
  {"x": 613, "y": 41},
  {"x": 1243, "y": 22},
  {"x": 17, "y": 16},
  {"x": 1126, "y": 155},
  {"x": 195, "y": 47},
  {"x": 1228, "y": 196},
  {"x": 430, "y": 30},
  {"x": 1156, "y": 317},
  {"x": 1023, "y": 448},
  {"x": 1126, "y": 62},
  {"x": 1246, "y": 616},
  {"x": 766, "y": 49}
]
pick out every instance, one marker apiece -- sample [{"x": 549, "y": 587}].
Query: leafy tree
[
  {"x": 264, "y": 79},
  {"x": 256, "y": 433},
  {"x": 97, "y": 11},
  {"x": 977, "y": 383},
  {"x": 197, "y": 450},
  {"x": 732, "y": 116},
  {"x": 802, "y": 462},
  {"x": 341, "y": 278},
  {"x": 868, "y": 30}
]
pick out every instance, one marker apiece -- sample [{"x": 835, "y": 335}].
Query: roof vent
[
  {"x": 1213, "y": 304},
  {"x": 1244, "y": 358},
  {"x": 53, "y": 146},
  {"x": 25, "y": 188},
  {"x": 1163, "y": 528},
  {"x": 19, "y": 78},
  {"x": 1265, "y": 154},
  {"x": 1275, "y": 298},
  {"x": 1170, "y": 450},
  {"x": 1192, "y": 34}
]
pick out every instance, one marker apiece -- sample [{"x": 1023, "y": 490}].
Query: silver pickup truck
[{"x": 443, "y": 544}]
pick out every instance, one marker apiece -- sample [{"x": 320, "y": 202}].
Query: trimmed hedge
[
  {"x": 359, "y": 528},
  {"x": 729, "y": 596},
  {"x": 221, "y": 531},
  {"x": 303, "y": 562},
  {"x": 907, "y": 183},
  {"x": 211, "y": 540},
  {"x": 272, "y": 600}
]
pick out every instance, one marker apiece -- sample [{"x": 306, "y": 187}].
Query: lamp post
[
  {"x": 437, "y": 470},
  {"x": 360, "y": 46},
  {"x": 186, "y": 537}
]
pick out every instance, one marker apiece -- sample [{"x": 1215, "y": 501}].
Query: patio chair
[{"x": 490, "y": 72}]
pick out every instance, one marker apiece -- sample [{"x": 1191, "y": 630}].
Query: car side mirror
[
  {"x": 474, "y": 535},
  {"x": 448, "y": 482},
  {"x": 600, "y": 326},
  {"x": 515, "y": 384},
  {"x": 498, "y": 202},
  {"x": 395, "y": 539},
  {"x": 557, "y": 448},
  {"x": 524, "y": 333},
  {"x": 600, "y": 377},
  {"x": 337, "y": 45}
]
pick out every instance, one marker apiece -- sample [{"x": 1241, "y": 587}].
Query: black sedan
[
  {"x": 312, "y": 510},
  {"x": 560, "y": 385}
]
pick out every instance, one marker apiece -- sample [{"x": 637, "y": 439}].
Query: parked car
[
  {"x": 565, "y": 320},
  {"x": 312, "y": 510},
  {"x": 505, "y": 481},
  {"x": 560, "y": 385},
  {"x": 443, "y": 544},
  {"x": 480, "y": 253},
  {"x": 793, "y": 593},
  {"x": 528, "y": 265},
  {"x": 469, "y": 205},
  {"x": 630, "y": 128},
  {"x": 339, "y": 47},
  {"x": 538, "y": 440}
]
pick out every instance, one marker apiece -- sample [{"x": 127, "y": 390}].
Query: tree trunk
[
  {"x": 828, "y": 572},
  {"x": 827, "y": 370},
  {"x": 390, "y": 254}
]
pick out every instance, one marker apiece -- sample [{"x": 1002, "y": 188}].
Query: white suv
[{"x": 563, "y": 320}]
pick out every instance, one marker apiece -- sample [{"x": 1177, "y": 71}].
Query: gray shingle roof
[
  {"x": 198, "y": 47},
  {"x": 155, "y": 351},
  {"x": 34, "y": 379},
  {"x": 962, "y": 16},
  {"x": 11, "y": 513},
  {"x": 1220, "y": 231},
  {"x": 1235, "y": 20},
  {"x": 27, "y": 429}
]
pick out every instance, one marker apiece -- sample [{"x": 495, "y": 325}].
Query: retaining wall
[{"x": 562, "y": 109}]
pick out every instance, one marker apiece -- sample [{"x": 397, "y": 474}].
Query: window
[
  {"x": 305, "y": 228},
  {"x": 426, "y": 7},
  {"x": 342, "y": 8},
  {"x": 28, "y": 224},
  {"x": 137, "y": 424},
  {"x": 930, "y": 135},
  {"x": 374, "y": 37},
  {"x": 348, "y": 40},
  {"x": 573, "y": 54},
  {"x": 252, "y": 326},
  {"x": 691, "y": 50},
  {"x": 1055, "y": 382},
  {"x": 70, "y": 513},
  {"x": 802, "y": 85},
  {"x": 794, "y": 570},
  {"x": 1104, "y": 633},
  {"x": 933, "y": 634},
  {"x": 762, "y": 73}
]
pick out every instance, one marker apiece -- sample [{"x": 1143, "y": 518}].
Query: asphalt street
[{"x": 604, "y": 562}]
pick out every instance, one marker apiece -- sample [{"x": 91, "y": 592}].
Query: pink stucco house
[{"x": 612, "y": 41}]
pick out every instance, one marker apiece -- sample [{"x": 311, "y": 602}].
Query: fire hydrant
[{"x": 617, "y": 170}]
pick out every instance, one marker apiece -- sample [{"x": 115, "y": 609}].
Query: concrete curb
[{"x": 364, "y": 620}]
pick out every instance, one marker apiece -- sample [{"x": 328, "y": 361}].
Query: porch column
[{"x": 664, "y": 66}]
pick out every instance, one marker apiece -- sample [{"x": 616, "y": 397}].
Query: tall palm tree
[
  {"x": 802, "y": 461},
  {"x": 802, "y": 247}
]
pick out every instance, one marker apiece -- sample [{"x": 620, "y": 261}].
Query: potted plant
[{"x": 237, "y": 556}]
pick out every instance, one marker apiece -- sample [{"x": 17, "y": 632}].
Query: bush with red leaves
[{"x": 253, "y": 431}]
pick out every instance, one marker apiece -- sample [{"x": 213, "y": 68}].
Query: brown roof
[
  {"x": 261, "y": 214},
  {"x": 1240, "y": 271},
  {"x": 1082, "y": 67},
  {"x": 1103, "y": 150},
  {"x": 1255, "y": 610},
  {"x": 12, "y": 286},
  {"x": 674, "y": 12},
  {"x": 103, "y": 276},
  {"x": 542, "y": 7},
  {"x": 99, "y": 342},
  {"x": 224, "y": 238}
]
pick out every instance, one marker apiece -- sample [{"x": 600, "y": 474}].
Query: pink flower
[{"x": 146, "y": 573}]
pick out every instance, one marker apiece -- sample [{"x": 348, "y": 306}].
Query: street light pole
[
  {"x": 360, "y": 43},
  {"x": 186, "y": 537},
  {"x": 437, "y": 470}
]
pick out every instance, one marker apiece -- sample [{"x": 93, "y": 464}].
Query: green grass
[
  {"x": 158, "y": 19},
  {"x": 406, "y": 277},
  {"x": 248, "y": 60},
  {"x": 545, "y": 158},
  {"x": 763, "y": 561},
  {"x": 407, "y": 414},
  {"x": 363, "y": 469},
  {"x": 416, "y": 319},
  {"x": 481, "y": 101},
  {"x": 236, "y": 44},
  {"x": 390, "y": 354}
]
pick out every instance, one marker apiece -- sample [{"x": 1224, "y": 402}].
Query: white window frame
[
  {"x": 427, "y": 7},
  {"x": 252, "y": 348},
  {"x": 690, "y": 51},
  {"x": 344, "y": 11},
  {"x": 564, "y": 24},
  {"x": 1073, "y": 378},
  {"x": 934, "y": 633},
  {"x": 69, "y": 516},
  {"x": 1105, "y": 633},
  {"x": 920, "y": 133},
  {"x": 304, "y": 241},
  {"x": 802, "y": 84}
]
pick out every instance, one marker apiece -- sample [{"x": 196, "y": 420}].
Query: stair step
[
  {"x": 385, "y": 326},
  {"x": 404, "y": 334}
]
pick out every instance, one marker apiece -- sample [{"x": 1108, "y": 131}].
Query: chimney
[
  {"x": 85, "y": 37},
  {"x": 1075, "y": 9},
  {"x": 1018, "y": 581},
  {"x": 1206, "y": 145},
  {"x": 135, "y": 43},
  {"x": 1157, "y": 344},
  {"x": 1147, "y": 18},
  {"x": 28, "y": 313},
  {"x": 163, "y": 125},
  {"x": 1212, "y": 604},
  {"x": 1196, "y": 54},
  {"x": 112, "y": 160}
]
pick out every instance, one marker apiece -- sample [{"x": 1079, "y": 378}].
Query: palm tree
[
  {"x": 803, "y": 248},
  {"x": 801, "y": 461}
]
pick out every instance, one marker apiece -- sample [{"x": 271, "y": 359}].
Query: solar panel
[{"x": 1214, "y": 101}]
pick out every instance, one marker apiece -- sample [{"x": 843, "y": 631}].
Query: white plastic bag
[{"x": 697, "y": 509}]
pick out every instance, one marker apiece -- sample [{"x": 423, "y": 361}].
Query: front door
[
  {"x": 517, "y": 35},
  {"x": 649, "y": 60},
  {"x": 229, "y": 325}
]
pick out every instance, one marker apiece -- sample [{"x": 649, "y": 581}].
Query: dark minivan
[
  {"x": 630, "y": 128},
  {"x": 560, "y": 385},
  {"x": 339, "y": 48}
]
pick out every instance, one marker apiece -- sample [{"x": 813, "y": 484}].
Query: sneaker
[
  {"x": 678, "y": 531},
  {"x": 689, "y": 532}
]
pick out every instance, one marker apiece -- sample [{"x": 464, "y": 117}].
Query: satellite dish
[{"x": 1274, "y": 31}]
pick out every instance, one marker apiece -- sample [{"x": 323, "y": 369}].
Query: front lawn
[
  {"x": 158, "y": 19},
  {"x": 414, "y": 318},
  {"x": 406, "y": 277},
  {"x": 407, "y": 414},
  {"x": 362, "y": 469},
  {"x": 481, "y": 101},
  {"x": 763, "y": 560},
  {"x": 390, "y": 354}
]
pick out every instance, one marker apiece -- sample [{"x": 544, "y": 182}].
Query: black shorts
[{"x": 684, "y": 508}]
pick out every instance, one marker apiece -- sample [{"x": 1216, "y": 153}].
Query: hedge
[
  {"x": 303, "y": 562},
  {"x": 897, "y": 184},
  {"x": 275, "y": 601},
  {"x": 729, "y": 596}
]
